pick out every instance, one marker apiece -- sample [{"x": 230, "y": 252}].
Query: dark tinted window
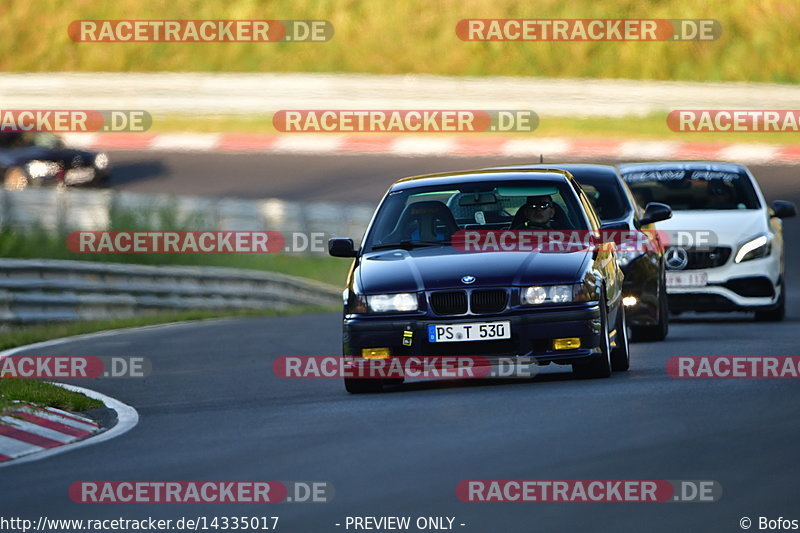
[
  {"x": 606, "y": 198},
  {"x": 693, "y": 189},
  {"x": 435, "y": 213}
]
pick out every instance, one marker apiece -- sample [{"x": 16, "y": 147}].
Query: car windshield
[
  {"x": 607, "y": 198},
  {"x": 429, "y": 216},
  {"x": 685, "y": 190},
  {"x": 22, "y": 140}
]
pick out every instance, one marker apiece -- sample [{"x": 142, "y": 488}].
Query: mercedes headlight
[
  {"x": 383, "y": 303},
  {"x": 756, "y": 248},
  {"x": 41, "y": 169},
  {"x": 101, "y": 161}
]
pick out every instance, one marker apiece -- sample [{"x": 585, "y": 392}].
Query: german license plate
[
  {"x": 687, "y": 279},
  {"x": 78, "y": 175},
  {"x": 475, "y": 331}
]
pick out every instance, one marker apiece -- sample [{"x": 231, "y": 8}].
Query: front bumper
[
  {"x": 532, "y": 334},
  {"x": 749, "y": 286}
]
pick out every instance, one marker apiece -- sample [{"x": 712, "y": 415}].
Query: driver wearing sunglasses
[{"x": 538, "y": 213}]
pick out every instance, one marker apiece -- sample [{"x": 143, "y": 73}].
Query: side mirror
[
  {"x": 655, "y": 212},
  {"x": 784, "y": 209},
  {"x": 341, "y": 248}
]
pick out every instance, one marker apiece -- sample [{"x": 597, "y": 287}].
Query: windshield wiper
[{"x": 409, "y": 245}]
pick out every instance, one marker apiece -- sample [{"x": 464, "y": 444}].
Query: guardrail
[
  {"x": 43, "y": 290},
  {"x": 59, "y": 210}
]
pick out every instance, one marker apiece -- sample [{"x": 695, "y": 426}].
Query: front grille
[
  {"x": 488, "y": 301},
  {"x": 710, "y": 258},
  {"x": 449, "y": 303},
  {"x": 700, "y": 302},
  {"x": 752, "y": 287}
]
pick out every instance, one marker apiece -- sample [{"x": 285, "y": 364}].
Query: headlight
[
  {"x": 41, "y": 169},
  {"x": 382, "y": 303},
  {"x": 101, "y": 161},
  {"x": 556, "y": 294},
  {"x": 627, "y": 253},
  {"x": 354, "y": 303},
  {"x": 761, "y": 246}
]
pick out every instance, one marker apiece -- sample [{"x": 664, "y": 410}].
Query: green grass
[
  {"x": 758, "y": 42},
  {"x": 38, "y": 243},
  {"x": 651, "y": 127},
  {"x": 43, "y": 394}
]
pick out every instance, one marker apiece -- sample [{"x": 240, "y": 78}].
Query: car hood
[
  {"x": 730, "y": 227},
  {"x": 443, "y": 267},
  {"x": 19, "y": 156}
]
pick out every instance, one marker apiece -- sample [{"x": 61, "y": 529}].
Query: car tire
[
  {"x": 597, "y": 365},
  {"x": 621, "y": 355},
  {"x": 661, "y": 329},
  {"x": 15, "y": 179},
  {"x": 394, "y": 382},
  {"x": 363, "y": 386},
  {"x": 777, "y": 314}
]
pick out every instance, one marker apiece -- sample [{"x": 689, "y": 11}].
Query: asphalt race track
[{"x": 213, "y": 410}]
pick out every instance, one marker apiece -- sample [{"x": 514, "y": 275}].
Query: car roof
[
  {"x": 578, "y": 170},
  {"x": 470, "y": 176},
  {"x": 716, "y": 166}
]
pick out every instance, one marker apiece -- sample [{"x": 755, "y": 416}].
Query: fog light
[
  {"x": 629, "y": 301},
  {"x": 375, "y": 353},
  {"x": 569, "y": 343}
]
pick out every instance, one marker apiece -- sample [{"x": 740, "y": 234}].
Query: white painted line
[
  {"x": 416, "y": 145},
  {"x": 647, "y": 150},
  {"x": 15, "y": 448},
  {"x": 185, "y": 142},
  {"x": 750, "y": 153},
  {"x": 54, "y": 416},
  {"x": 312, "y": 144},
  {"x": 86, "y": 141},
  {"x": 41, "y": 431},
  {"x": 423, "y": 146},
  {"x": 127, "y": 417},
  {"x": 548, "y": 148}
]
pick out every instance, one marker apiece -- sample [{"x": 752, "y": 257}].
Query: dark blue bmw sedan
[{"x": 415, "y": 290}]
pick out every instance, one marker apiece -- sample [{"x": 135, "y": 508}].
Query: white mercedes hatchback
[{"x": 725, "y": 243}]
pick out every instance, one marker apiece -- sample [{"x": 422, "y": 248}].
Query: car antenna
[{"x": 541, "y": 159}]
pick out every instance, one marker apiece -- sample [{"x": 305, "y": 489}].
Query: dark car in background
[
  {"x": 37, "y": 159},
  {"x": 411, "y": 292},
  {"x": 646, "y": 302}
]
